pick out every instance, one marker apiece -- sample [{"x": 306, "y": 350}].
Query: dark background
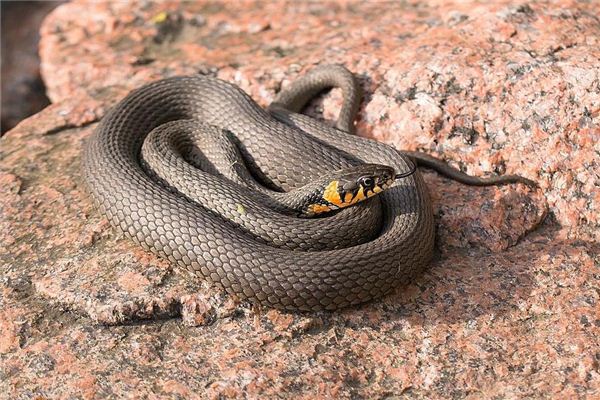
[{"x": 23, "y": 91}]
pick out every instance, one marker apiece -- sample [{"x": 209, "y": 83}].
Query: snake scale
[{"x": 215, "y": 228}]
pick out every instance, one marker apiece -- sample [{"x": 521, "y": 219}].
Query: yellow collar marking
[
  {"x": 331, "y": 194},
  {"x": 318, "y": 209}
]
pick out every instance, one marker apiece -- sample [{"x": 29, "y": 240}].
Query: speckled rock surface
[{"x": 509, "y": 307}]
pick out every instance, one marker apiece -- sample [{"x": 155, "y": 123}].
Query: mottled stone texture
[{"x": 509, "y": 307}]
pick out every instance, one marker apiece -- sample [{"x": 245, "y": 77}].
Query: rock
[{"x": 509, "y": 306}]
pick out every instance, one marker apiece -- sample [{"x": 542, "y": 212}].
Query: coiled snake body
[{"x": 239, "y": 243}]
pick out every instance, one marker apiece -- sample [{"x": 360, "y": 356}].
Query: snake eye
[{"x": 366, "y": 181}]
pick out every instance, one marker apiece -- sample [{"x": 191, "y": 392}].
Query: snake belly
[{"x": 283, "y": 150}]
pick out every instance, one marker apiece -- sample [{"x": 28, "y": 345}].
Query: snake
[{"x": 270, "y": 205}]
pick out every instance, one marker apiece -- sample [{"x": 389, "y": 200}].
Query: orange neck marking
[
  {"x": 331, "y": 194},
  {"x": 318, "y": 209}
]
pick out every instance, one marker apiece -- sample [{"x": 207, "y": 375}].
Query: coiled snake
[{"x": 229, "y": 224}]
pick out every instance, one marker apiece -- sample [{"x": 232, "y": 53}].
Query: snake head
[{"x": 350, "y": 186}]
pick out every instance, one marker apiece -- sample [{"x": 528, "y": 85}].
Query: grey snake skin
[{"x": 212, "y": 229}]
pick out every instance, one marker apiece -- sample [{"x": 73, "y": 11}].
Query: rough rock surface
[{"x": 509, "y": 307}]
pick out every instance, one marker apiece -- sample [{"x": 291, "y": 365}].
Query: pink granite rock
[{"x": 509, "y": 307}]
